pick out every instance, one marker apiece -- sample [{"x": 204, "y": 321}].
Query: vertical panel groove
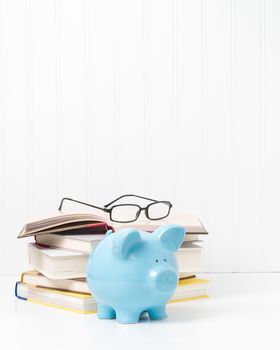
[
  {"x": 57, "y": 50},
  {"x": 204, "y": 104},
  {"x": 3, "y": 121},
  {"x": 87, "y": 117},
  {"x": 270, "y": 72},
  {"x": 233, "y": 116},
  {"x": 27, "y": 96},
  {"x": 262, "y": 123},
  {"x": 174, "y": 101},
  {"x": 116, "y": 99},
  {"x": 146, "y": 96}
]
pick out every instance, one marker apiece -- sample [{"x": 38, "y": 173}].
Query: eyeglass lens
[
  {"x": 124, "y": 213},
  {"x": 158, "y": 210}
]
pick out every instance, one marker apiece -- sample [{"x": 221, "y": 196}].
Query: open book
[
  {"x": 83, "y": 223},
  {"x": 76, "y": 223},
  {"x": 190, "y": 222}
]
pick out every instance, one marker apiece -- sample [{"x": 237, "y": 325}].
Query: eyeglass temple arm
[
  {"x": 128, "y": 195},
  {"x": 76, "y": 201}
]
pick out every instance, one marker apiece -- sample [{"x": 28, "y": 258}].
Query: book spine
[
  {"x": 102, "y": 225},
  {"x": 16, "y": 292},
  {"x": 41, "y": 244},
  {"x": 108, "y": 227},
  {"x": 21, "y": 277}
]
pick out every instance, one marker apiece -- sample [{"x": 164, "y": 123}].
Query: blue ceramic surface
[{"x": 131, "y": 272}]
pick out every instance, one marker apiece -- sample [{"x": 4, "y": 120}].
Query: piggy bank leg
[
  {"x": 157, "y": 312},
  {"x": 128, "y": 316},
  {"x": 106, "y": 312}
]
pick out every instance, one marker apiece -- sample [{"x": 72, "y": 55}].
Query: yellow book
[
  {"x": 84, "y": 303},
  {"x": 190, "y": 289},
  {"x": 70, "y": 301},
  {"x": 79, "y": 285}
]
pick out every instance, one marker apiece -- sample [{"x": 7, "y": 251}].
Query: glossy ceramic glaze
[{"x": 131, "y": 272}]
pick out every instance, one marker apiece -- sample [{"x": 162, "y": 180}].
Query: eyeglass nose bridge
[{"x": 145, "y": 209}]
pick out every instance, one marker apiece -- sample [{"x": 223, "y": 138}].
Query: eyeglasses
[{"x": 124, "y": 213}]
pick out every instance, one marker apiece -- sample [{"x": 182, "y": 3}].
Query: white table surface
[{"x": 243, "y": 312}]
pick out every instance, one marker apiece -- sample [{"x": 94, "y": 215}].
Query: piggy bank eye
[
  {"x": 156, "y": 260},
  {"x": 164, "y": 260}
]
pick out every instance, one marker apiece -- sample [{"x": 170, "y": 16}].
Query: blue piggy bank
[{"x": 131, "y": 272}]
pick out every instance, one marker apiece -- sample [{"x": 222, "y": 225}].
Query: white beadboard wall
[{"x": 175, "y": 99}]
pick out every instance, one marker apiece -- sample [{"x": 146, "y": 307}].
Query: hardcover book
[
  {"x": 74, "y": 223},
  {"x": 189, "y": 289},
  {"x": 57, "y": 263}
]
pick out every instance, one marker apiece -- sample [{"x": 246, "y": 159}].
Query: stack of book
[{"x": 60, "y": 251}]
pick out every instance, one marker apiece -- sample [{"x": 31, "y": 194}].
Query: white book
[
  {"x": 57, "y": 263},
  {"x": 80, "y": 243},
  {"x": 189, "y": 258}
]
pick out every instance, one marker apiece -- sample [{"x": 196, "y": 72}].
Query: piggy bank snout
[{"x": 166, "y": 281}]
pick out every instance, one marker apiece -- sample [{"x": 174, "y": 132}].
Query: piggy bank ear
[
  {"x": 125, "y": 241},
  {"x": 171, "y": 236}
]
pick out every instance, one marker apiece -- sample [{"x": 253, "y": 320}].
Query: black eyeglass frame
[{"x": 110, "y": 210}]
